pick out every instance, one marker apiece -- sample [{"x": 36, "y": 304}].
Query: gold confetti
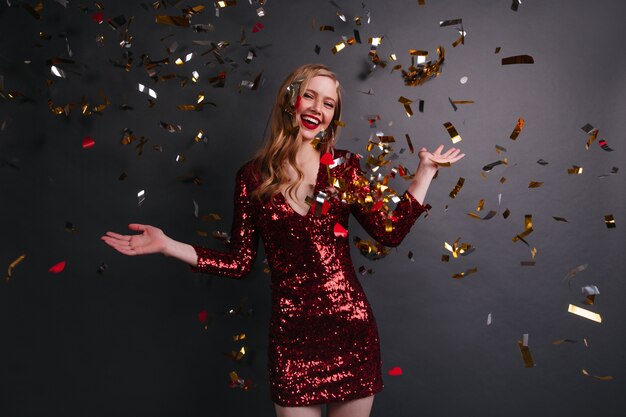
[
  {"x": 226, "y": 3},
  {"x": 506, "y": 213},
  {"x": 526, "y": 356},
  {"x": 454, "y": 135},
  {"x": 590, "y": 315},
  {"x": 327, "y": 28},
  {"x": 601, "y": 378},
  {"x": 12, "y": 265},
  {"x": 421, "y": 71},
  {"x": 500, "y": 149},
  {"x": 453, "y": 103},
  {"x": 528, "y": 229},
  {"x": 408, "y": 141},
  {"x": 457, "y": 187},
  {"x": 338, "y": 47},
  {"x": 498, "y": 49},
  {"x": 457, "y": 249},
  {"x": 609, "y": 220},
  {"x": 518, "y": 59},
  {"x": 239, "y": 337},
  {"x": 590, "y": 292},
  {"x": 490, "y": 166},
  {"x": 465, "y": 273},
  {"x": 445, "y": 258},
  {"x": 407, "y": 105},
  {"x": 560, "y": 219},
  {"x": 535, "y": 184},
  {"x": 561, "y": 341},
  {"x": 575, "y": 170},
  {"x": 183, "y": 21},
  {"x": 517, "y": 129}
]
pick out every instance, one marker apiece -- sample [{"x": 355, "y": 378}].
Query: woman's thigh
[
  {"x": 354, "y": 408},
  {"x": 304, "y": 411}
]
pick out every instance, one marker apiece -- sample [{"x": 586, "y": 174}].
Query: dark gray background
[{"x": 128, "y": 342}]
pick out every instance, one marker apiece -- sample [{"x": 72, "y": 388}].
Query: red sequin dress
[{"x": 323, "y": 340}]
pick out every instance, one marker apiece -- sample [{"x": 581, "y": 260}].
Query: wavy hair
[{"x": 280, "y": 143}]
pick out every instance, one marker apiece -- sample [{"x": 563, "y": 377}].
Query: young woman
[{"x": 297, "y": 195}]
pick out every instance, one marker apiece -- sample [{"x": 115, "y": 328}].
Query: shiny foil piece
[
  {"x": 420, "y": 72},
  {"x": 457, "y": 187},
  {"x": 590, "y": 292},
  {"x": 581, "y": 312},
  {"x": 465, "y": 273},
  {"x": 518, "y": 59},
  {"x": 601, "y": 378},
  {"x": 526, "y": 356},
  {"x": 317, "y": 299},
  {"x": 12, "y": 266},
  {"x": 518, "y": 129},
  {"x": 609, "y": 221},
  {"x": 454, "y": 135}
]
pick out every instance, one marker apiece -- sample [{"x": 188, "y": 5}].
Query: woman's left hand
[{"x": 432, "y": 160}]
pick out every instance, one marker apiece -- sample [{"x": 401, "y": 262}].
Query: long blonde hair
[{"x": 281, "y": 144}]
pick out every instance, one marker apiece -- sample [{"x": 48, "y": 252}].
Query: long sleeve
[
  {"x": 244, "y": 240},
  {"x": 405, "y": 214}
]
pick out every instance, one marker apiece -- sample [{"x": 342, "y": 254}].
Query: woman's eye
[
  {"x": 329, "y": 105},
  {"x": 307, "y": 95}
]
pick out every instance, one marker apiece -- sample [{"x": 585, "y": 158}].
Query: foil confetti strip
[
  {"x": 601, "y": 378},
  {"x": 573, "y": 272},
  {"x": 609, "y": 221},
  {"x": 518, "y": 129},
  {"x": 457, "y": 187},
  {"x": 535, "y": 184},
  {"x": 604, "y": 145},
  {"x": 528, "y": 229},
  {"x": 492, "y": 165},
  {"x": 560, "y": 219},
  {"x": 558, "y": 342},
  {"x": 489, "y": 319},
  {"x": 575, "y": 170},
  {"x": 590, "y": 292},
  {"x": 454, "y": 135},
  {"x": 57, "y": 268},
  {"x": 101, "y": 268},
  {"x": 515, "y": 5},
  {"x": 465, "y": 273},
  {"x": 613, "y": 172},
  {"x": 12, "y": 266},
  {"x": 518, "y": 59},
  {"x": 141, "y": 197},
  {"x": 581, "y": 312},
  {"x": 525, "y": 351}
]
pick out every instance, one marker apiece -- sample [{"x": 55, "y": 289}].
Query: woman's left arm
[{"x": 390, "y": 231}]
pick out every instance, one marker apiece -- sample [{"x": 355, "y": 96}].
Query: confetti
[
  {"x": 143, "y": 89},
  {"x": 371, "y": 250},
  {"x": 601, "y": 378},
  {"x": 237, "y": 382},
  {"x": 535, "y": 184},
  {"x": 573, "y": 272},
  {"x": 58, "y": 268},
  {"x": 454, "y": 103},
  {"x": 102, "y": 268},
  {"x": 613, "y": 172},
  {"x": 489, "y": 319},
  {"x": 604, "y": 145},
  {"x": 443, "y": 23},
  {"x": 517, "y": 129},
  {"x": 492, "y": 165},
  {"x": 542, "y": 162},
  {"x": 395, "y": 371},
  {"x": 465, "y": 273},
  {"x": 518, "y": 59},
  {"x": 421, "y": 71},
  {"x": 407, "y": 105},
  {"x": 528, "y": 229},
  {"x": 590, "y": 292},
  {"x": 408, "y": 141},
  {"x": 338, "y": 47},
  {"x": 454, "y": 135},
  {"x": 609, "y": 220},
  {"x": 12, "y": 265},
  {"x": 457, "y": 249},
  {"x": 525, "y": 351},
  {"x": 340, "y": 231},
  {"x": 590, "y": 315},
  {"x": 182, "y": 21},
  {"x": 69, "y": 227},
  {"x": 171, "y": 128},
  {"x": 141, "y": 197},
  {"x": 463, "y": 79},
  {"x": 515, "y": 5},
  {"x": 88, "y": 143},
  {"x": 561, "y": 341},
  {"x": 574, "y": 170},
  {"x": 560, "y": 219},
  {"x": 457, "y": 187},
  {"x": 498, "y": 49}
]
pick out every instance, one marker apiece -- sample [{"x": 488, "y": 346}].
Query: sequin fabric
[{"x": 323, "y": 339}]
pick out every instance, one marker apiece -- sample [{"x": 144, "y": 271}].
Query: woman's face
[{"x": 315, "y": 106}]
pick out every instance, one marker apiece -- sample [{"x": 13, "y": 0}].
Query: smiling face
[{"x": 315, "y": 107}]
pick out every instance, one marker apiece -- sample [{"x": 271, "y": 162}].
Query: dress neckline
[{"x": 317, "y": 180}]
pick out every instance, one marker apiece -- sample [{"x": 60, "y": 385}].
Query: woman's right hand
[{"x": 150, "y": 240}]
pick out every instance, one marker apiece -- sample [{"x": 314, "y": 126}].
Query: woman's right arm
[{"x": 236, "y": 262}]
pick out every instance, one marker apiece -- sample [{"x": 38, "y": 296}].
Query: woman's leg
[
  {"x": 354, "y": 408},
  {"x": 304, "y": 411}
]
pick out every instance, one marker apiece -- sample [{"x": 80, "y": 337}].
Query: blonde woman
[{"x": 323, "y": 339}]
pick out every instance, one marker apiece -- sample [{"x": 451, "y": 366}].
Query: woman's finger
[
  {"x": 117, "y": 236},
  {"x": 138, "y": 227}
]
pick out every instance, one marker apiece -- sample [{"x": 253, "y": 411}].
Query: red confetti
[
  {"x": 395, "y": 371},
  {"x": 203, "y": 316},
  {"x": 258, "y": 26},
  {"x": 340, "y": 231},
  {"x": 377, "y": 206},
  {"x": 98, "y": 17},
  {"x": 327, "y": 159},
  {"x": 57, "y": 268},
  {"x": 88, "y": 142}
]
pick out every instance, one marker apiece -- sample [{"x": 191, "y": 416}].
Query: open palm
[{"x": 150, "y": 240}]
